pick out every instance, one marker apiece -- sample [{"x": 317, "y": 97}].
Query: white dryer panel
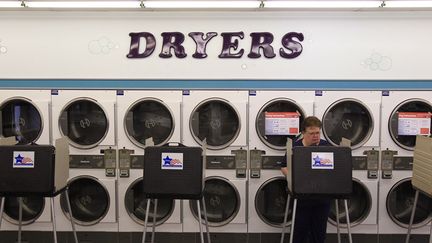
[
  {"x": 236, "y": 99},
  {"x": 41, "y": 100},
  {"x": 237, "y": 224},
  {"x": 386, "y": 224},
  {"x": 109, "y": 221},
  {"x": 169, "y": 99},
  {"x": 371, "y": 100},
  {"x": 389, "y": 103},
  {"x": 105, "y": 99},
  {"x": 262, "y": 99},
  {"x": 129, "y": 224},
  {"x": 367, "y": 223}
]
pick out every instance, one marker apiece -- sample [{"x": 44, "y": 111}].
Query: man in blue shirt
[{"x": 312, "y": 214}]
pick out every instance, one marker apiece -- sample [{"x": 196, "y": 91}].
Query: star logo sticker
[
  {"x": 317, "y": 160},
  {"x": 19, "y": 159},
  {"x": 167, "y": 160}
]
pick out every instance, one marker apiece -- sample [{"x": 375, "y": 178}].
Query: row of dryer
[{"x": 246, "y": 132}]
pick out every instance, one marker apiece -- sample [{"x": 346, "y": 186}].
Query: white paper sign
[
  {"x": 282, "y": 123},
  {"x": 414, "y": 123}
]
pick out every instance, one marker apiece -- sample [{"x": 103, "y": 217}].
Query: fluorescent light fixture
[
  {"x": 408, "y": 4},
  {"x": 201, "y": 4},
  {"x": 322, "y": 4},
  {"x": 83, "y": 4},
  {"x": 10, "y": 4}
]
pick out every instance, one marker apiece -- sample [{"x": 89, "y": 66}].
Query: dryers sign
[
  {"x": 172, "y": 161},
  {"x": 414, "y": 123},
  {"x": 23, "y": 159},
  {"x": 322, "y": 160},
  {"x": 290, "y": 44}
]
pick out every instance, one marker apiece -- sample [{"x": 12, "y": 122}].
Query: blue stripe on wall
[{"x": 219, "y": 84}]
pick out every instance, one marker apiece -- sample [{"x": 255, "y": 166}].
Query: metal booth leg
[
  {"x": 200, "y": 221},
  {"x": 20, "y": 202},
  {"x": 430, "y": 236},
  {"x": 53, "y": 219},
  {"x": 1, "y": 209},
  {"x": 337, "y": 220},
  {"x": 70, "y": 214},
  {"x": 146, "y": 220},
  {"x": 293, "y": 220},
  {"x": 412, "y": 216},
  {"x": 348, "y": 220},
  {"x": 206, "y": 220},
  {"x": 154, "y": 219},
  {"x": 285, "y": 218}
]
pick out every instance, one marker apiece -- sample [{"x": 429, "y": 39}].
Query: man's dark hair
[{"x": 311, "y": 121}]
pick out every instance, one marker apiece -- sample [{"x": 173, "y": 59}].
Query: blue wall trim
[{"x": 217, "y": 84}]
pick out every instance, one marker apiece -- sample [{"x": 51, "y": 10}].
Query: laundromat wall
[{"x": 68, "y": 73}]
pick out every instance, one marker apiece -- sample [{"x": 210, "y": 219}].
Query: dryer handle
[{"x": 173, "y": 144}]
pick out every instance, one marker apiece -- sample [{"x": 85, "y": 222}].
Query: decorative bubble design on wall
[
  {"x": 102, "y": 46},
  {"x": 3, "y": 49},
  {"x": 378, "y": 62}
]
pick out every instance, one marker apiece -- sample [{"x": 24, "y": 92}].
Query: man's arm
[{"x": 284, "y": 171}]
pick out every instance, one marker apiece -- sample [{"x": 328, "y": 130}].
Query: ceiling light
[
  {"x": 83, "y": 4},
  {"x": 10, "y": 4},
  {"x": 322, "y": 4},
  {"x": 408, "y": 4},
  {"x": 202, "y": 4}
]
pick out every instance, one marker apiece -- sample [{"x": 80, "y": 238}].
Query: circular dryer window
[
  {"x": 149, "y": 118},
  {"x": 400, "y": 203},
  {"x": 84, "y": 122},
  {"x": 21, "y": 119},
  {"x": 359, "y": 206},
  {"x": 89, "y": 200},
  {"x": 136, "y": 205},
  {"x": 278, "y": 107},
  {"x": 32, "y": 208},
  {"x": 222, "y": 201},
  {"x": 217, "y": 121},
  {"x": 414, "y": 107},
  {"x": 348, "y": 118},
  {"x": 271, "y": 200}
]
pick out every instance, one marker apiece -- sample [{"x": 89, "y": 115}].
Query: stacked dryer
[
  {"x": 405, "y": 114},
  {"x": 87, "y": 118},
  {"x": 145, "y": 114},
  {"x": 354, "y": 115},
  {"x": 220, "y": 117},
  {"x": 25, "y": 115},
  {"x": 274, "y": 116}
]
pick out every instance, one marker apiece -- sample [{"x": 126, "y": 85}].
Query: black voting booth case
[
  {"x": 321, "y": 171},
  {"x": 27, "y": 169},
  {"x": 173, "y": 172}
]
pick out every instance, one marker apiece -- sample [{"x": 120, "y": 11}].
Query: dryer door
[
  {"x": 149, "y": 118},
  {"x": 276, "y": 137},
  {"x": 270, "y": 202},
  {"x": 359, "y": 206},
  {"x": 222, "y": 201},
  {"x": 85, "y": 123},
  {"x": 416, "y": 113},
  {"x": 22, "y": 119},
  {"x": 348, "y": 118},
  {"x": 400, "y": 202},
  {"x": 136, "y": 205},
  {"x": 90, "y": 200},
  {"x": 32, "y": 209},
  {"x": 217, "y": 121}
]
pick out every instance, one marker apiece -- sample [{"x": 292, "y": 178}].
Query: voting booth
[
  {"x": 321, "y": 172},
  {"x": 318, "y": 172},
  {"x": 422, "y": 175},
  {"x": 174, "y": 171},
  {"x": 27, "y": 170}
]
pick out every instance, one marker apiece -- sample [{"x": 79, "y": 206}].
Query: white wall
[{"x": 337, "y": 45}]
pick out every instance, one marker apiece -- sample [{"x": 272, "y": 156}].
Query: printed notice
[
  {"x": 414, "y": 123},
  {"x": 282, "y": 123}
]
